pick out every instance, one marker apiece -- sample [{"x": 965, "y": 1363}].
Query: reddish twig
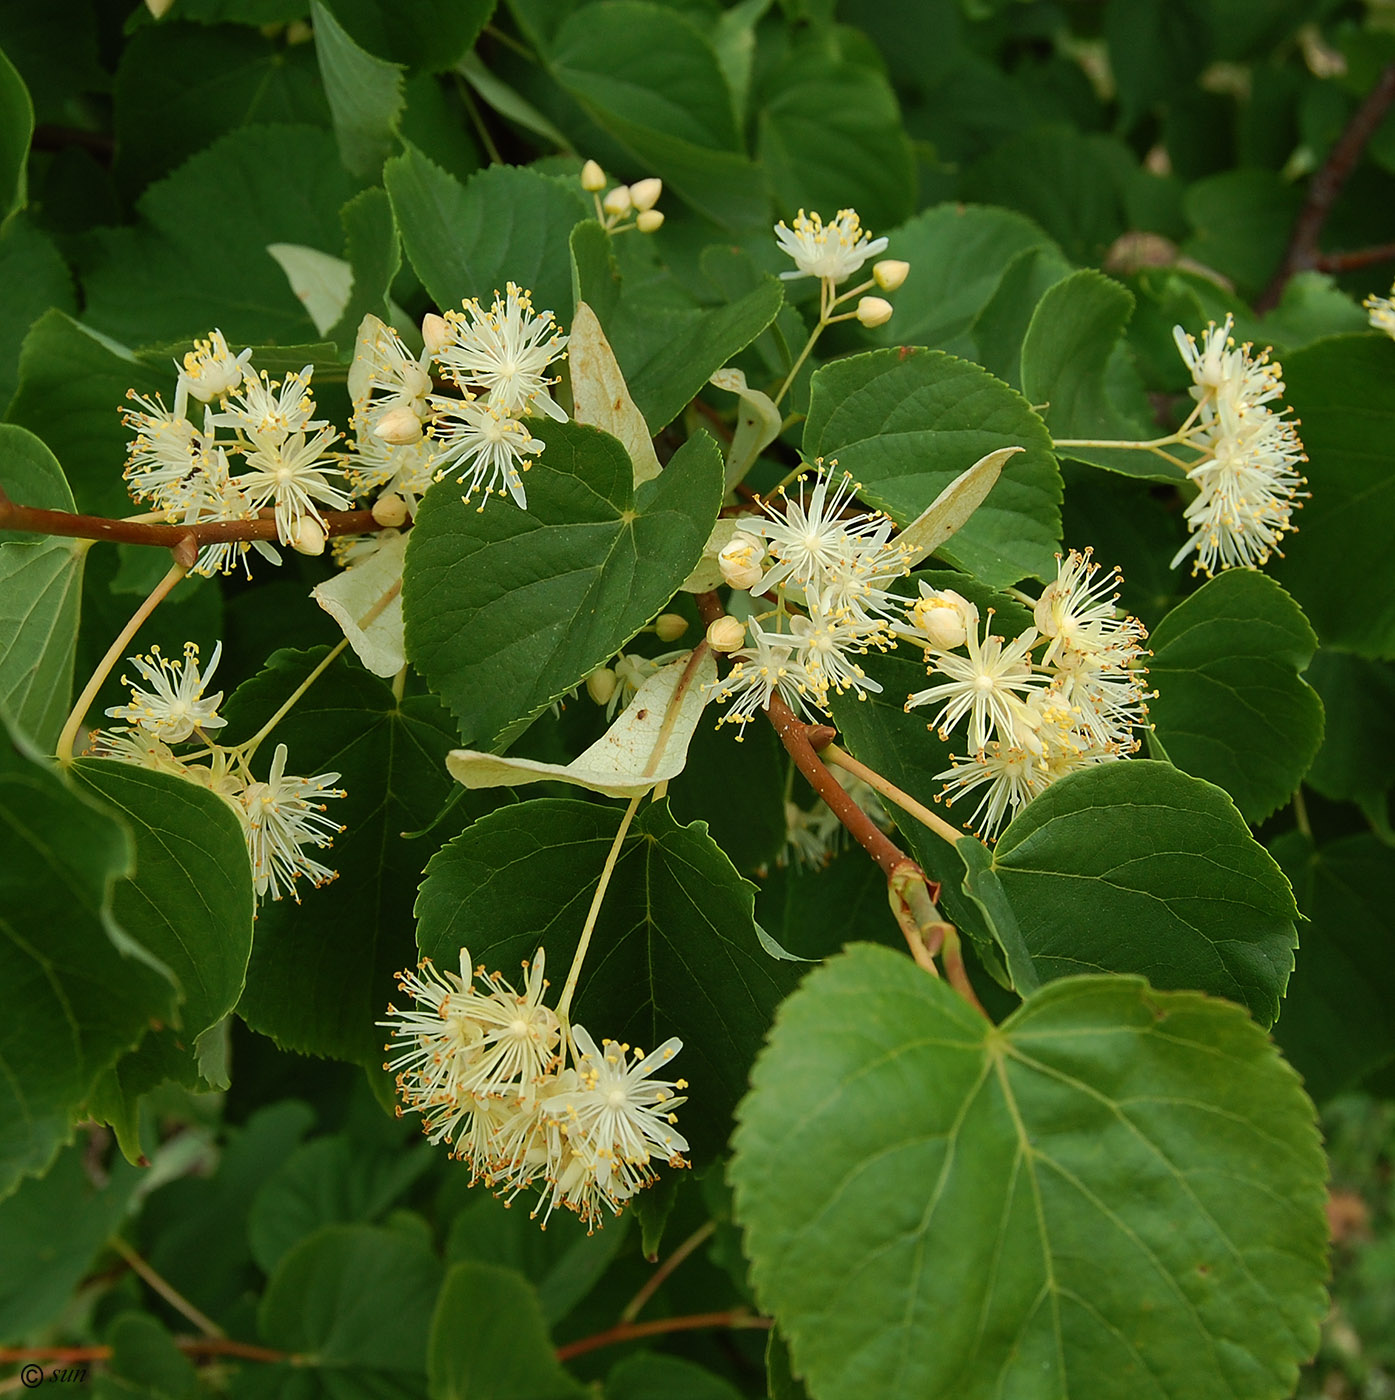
[
  {"x": 190, "y": 1346},
  {"x": 36, "y": 521},
  {"x": 1356, "y": 259},
  {"x": 1302, "y": 252},
  {"x": 629, "y": 1331}
]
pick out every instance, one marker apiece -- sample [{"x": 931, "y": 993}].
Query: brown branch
[
  {"x": 1355, "y": 259},
  {"x": 190, "y": 1346},
  {"x": 1302, "y": 252},
  {"x": 36, "y": 521},
  {"x": 629, "y": 1331}
]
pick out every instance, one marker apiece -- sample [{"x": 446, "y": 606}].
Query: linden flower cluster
[
  {"x": 185, "y": 469},
  {"x": 282, "y": 818},
  {"x": 1247, "y": 478},
  {"x": 832, "y": 252},
  {"x": 830, "y": 568},
  {"x": 407, "y": 436},
  {"x": 1032, "y": 719},
  {"x": 486, "y": 1068},
  {"x": 624, "y": 207}
]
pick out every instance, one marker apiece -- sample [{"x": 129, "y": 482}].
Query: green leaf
[
  {"x": 56, "y": 1225},
  {"x": 72, "y": 386},
  {"x": 35, "y": 277},
  {"x": 1116, "y": 1192},
  {"x": 508, "y": 609},
  {"x": 16, "y": 129},
  {"x": 651, "y": 79},
  {"x": 982, "y": 885},
  {"x": 563, "y": 1263},
  {"x": 144, "y": 1356},
  {"x": 40, "y": 589},
  {"x": 830, "y": 132},
  {"x": 365, "y": 94},
  {"x": 1357, "y": 759},
  {"x": 651, "y": 1376},
  {"x": 179, "y": 87},
  {"x": 1071, "y": 350},
  {"x": 1135, "y": 867},
  {"x": 675, "y": 951},
  {"x": 198, "y": 257},
  {"x": 1231, "y": 704},
  {"x": 489, "y": 1341},
  {"x": 957, "y": 255},
  {"x": 906, "y": 422},
  {"x": 321, "y": 969},
  {"x": 1001, "y": 326},
  {"x": 76, "y": 989},
  {"x": 354, "y": 1303},
  {"x": 1336, "y": 1026},
  {"x": 1339, "y": 566},
  {"x": 374, "y": 253},
  {"x": 330, "y": 1181},
  {"x": 1156, "y": 47},
  {"x": 433, "y": 35},
  {"x": 1241, "y": 221},
  {"x": 504, "y": 224}
]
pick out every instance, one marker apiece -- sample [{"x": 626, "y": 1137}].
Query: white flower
[
  {"x": 280, "y": 818},
  {"x": 826, "y": 641},
  {"x": 138, "y": 747},
  {"x": 988, "y": 685},
  {"x": 165, "y": 454},
  {"x": 1011, "y": 779},
  {"x": 811, "y": 540},
  {"x": 268, "y": 411},
  {"x": 404, "y": 470},
  {"x": 833, "y": 251},
  {"x": 209, "y": 371},
  {"x": 385, "y": 376},
  {"x": 502, "y": 354},
  {"x": 478, "y": 442},
  {"x": 1382, "y": 312},
  {"x": 1077, "y": 611},
  {"x": 215, "y": 495},
  {"x": 761, "y": 670},
  {"x": 175, "y": 705},
  {"x": 291, "y": 474}
]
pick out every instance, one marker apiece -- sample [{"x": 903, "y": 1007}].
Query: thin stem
[
  {"x": 1300, "y": 813},
  {"x": 1355, "y": 259},
  {"x": 252, "y": 744},
  {"x": 592, "y": 914},
  {"x": 1128, "y": 446},
  {"x": 825, "y": 306},
  {"x": 89, "y": 693},
  {"x": 165, "y": 1289},
  {"x": 481, "y": 130},
  {"x": 655, "y": 1281},
  {"x": 956, "y": 974},
  {"x": 629, "y": 1331},
  {"x": 831, "y": 753},
  {"x": 32, "y": 520}
]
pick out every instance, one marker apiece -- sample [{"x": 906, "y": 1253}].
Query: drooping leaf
[
  {"x": 600, "y": 396},
  {"x": 35, "y": 277},
  {"x": 1336, "y": 1025},
  {"x": 321, "y": 969},
  {"x": 906, "y": 422},
  {"x": 1136, "y": 867},
  {"x": 374, "y": 253},
  {"x": 366, "y": 601},
  {"x": 1115, "y": 1191},
  {"x": 508, "y": 609},
  {"x": 16, "y": 129},
  {"x": 1232, "y": 705},
  {"x": 675, "y": 950},
  {"x": 364, "y": 92},
  {"x": 1337, "y": 566},
  {"x": 76, "y": 990},
  {"x": 356, "y": 1302},
  {"x": 488, "y": 1337},
  {"x": 504, "y": 224}
]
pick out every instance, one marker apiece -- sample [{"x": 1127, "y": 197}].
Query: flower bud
[
  {"x": 617, "y": 201},
  {"x": 943, "y": 617},
  {"x": 1044, "y": 614},
  {"x": 592, "y": 178},
  {"x": 740, "y": 560},
  {"x": 308, "y": 536},
  {"x": 600, "y": 685},
  {"x": 890, "y": 273},
  {"x": 651, "y": 221},
  {"x": 644, "y": 194},
  {"x": 158, "y": 8},
  {"x": 398, "y": 426},
  {"x": 390, "y": 511},
  {"x": 435, "y": 332},
  {"x": 668, "y": 627},
  {"x": 873, "y": 311},
  {"x": 727, "y": 633}
]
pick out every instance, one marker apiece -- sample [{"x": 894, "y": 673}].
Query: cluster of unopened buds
[
  {"x": 624, "y": 207},
  {"x": 282, "y": 817},
  {"x": 1031, "y": 719},
  {"x": 830, "y": 569},
  {"x": 527, "y": 1098}
]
